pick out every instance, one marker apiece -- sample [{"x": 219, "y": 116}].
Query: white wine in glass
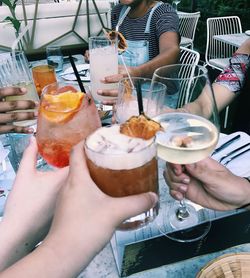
[{"x": 190, "y": 134}]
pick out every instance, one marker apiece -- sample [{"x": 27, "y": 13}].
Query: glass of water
[{"x": 55, "y": 57}]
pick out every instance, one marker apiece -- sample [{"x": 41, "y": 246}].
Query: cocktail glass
[
  {"x": 14, "y": 71},
  {"x": 187, "y": 138},
  {"x": 153, "y": 94},
  {"x": 66, "y": 116},
  {"x": 43, "y": 75},
  {"x": 121, "y": 165}
]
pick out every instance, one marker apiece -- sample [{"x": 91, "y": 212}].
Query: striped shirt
[{"x": 164, "y": 19}]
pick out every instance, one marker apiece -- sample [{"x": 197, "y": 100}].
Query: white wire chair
[
  {"x": 218, "y": 53},
  {"x": 187, "y": 57},
  {"x": 187, "y": 27}
]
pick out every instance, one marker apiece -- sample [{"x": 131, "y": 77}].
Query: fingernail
[
  {"x": 153, "y": 197},
  {"x": 99, "y": 92},
  {"x": 178, "y": 196},
  {"x": 35, "y": 113},
  {"x": 183, "y": 188},
  {"x": 175, "y": 171},
  {"x": 23, "y": 90},
  {"x": 190, "y": 166},
  {"x": 186, "y": 180}
]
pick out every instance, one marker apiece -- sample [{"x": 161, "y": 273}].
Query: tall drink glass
[
  {"x": 103, "y": 55},
  {"x": 121, "y": 165},
  {"x": 14, "y": 71},
  {"x": 43, "y": 75},
  {"x": 65, "y": 117}
]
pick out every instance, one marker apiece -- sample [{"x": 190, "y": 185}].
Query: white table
[
  {"x": 232, "y": 39},
  {"x": 103, "y": 265}
]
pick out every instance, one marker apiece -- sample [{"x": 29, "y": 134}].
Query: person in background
[
  {"x": 8, "y": 112},
  {"x": 231, "y": 83},
  {"x": 208, "y": 182},
  {"x": 83, "y": 218},
  {"x": 151, "y": 30}
]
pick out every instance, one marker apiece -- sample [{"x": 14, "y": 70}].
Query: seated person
[
  {"x": 233, "y": 81},
  {"x": 8, "y": 113},
  {"x": 151, "y": 31}
]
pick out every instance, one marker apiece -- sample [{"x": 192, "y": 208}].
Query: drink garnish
[
  {"x": 112, "y": 35},
  {"x": 60, "y": 108},
  {"x": 140, "y": 127}
]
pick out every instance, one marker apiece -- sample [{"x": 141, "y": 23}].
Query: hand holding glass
[{"x": 14, "y": 71}]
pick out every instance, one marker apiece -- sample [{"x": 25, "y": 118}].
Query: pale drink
[{"x": 103, "y": 55}]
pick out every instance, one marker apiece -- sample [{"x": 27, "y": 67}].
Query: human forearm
[
  {"x": 15, "y": 244},
  {"x": 60, "y": 255}
]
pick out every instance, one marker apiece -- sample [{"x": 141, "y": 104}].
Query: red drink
[
  {"x": 122, "y": 166},
  {"x": 65, "y": 118}
]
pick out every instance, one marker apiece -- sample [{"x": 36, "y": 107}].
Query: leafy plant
[{"x": 12, "y": 19}]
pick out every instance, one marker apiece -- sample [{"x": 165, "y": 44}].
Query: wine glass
[
  {"x": 189, "y": 134},
  {"x": 176, "y": 2}
]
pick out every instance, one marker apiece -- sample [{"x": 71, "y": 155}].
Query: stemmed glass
[
  {"x": 176, "y": 2},
  {"x": 190, "y": 135}
]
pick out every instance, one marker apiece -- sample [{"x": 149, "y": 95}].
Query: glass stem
[
  {"x": 183, "y": 207},
  {"x": 182, "y": 212}
]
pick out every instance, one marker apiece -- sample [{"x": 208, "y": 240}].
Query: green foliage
[{"x": 12, "y": 19}]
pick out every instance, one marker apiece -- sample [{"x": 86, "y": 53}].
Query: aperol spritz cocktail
[{"x": 66, "y": 116}]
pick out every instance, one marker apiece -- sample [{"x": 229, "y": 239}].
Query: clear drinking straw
[{"x": 122, "y": 18}]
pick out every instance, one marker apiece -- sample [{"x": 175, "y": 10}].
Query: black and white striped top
[{"x": 164, "y": 19}]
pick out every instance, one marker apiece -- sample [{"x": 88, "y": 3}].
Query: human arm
[
  {"x": 29, "y": 208},
  {"x": 227, "y": 85},
  {"x": 209, "y": 184},
  {"x": 84, "y": 221},
  {"x": 8, "y": 108}
]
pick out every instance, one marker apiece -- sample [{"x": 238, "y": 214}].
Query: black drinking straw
[
  {"x": 139, "y": 97},
  {"x": 77, "y": 74}
]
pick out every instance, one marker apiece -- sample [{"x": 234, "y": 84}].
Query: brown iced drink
[{"x": 121, "y": 165}]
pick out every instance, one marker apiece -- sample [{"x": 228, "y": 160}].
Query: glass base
[
  {"x": 139, "y": 221},
  {"x": 193, "y": 228}
]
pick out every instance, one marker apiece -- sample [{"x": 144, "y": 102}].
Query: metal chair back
[
  {"x": 190, "y": 57},
  {"x": 187, "y": 27},
  {"x": 218, "y": 53}
]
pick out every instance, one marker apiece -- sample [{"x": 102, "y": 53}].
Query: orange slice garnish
[
  {"x": 140, "y": 127},
  {"x": 60, "y": 108}
]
